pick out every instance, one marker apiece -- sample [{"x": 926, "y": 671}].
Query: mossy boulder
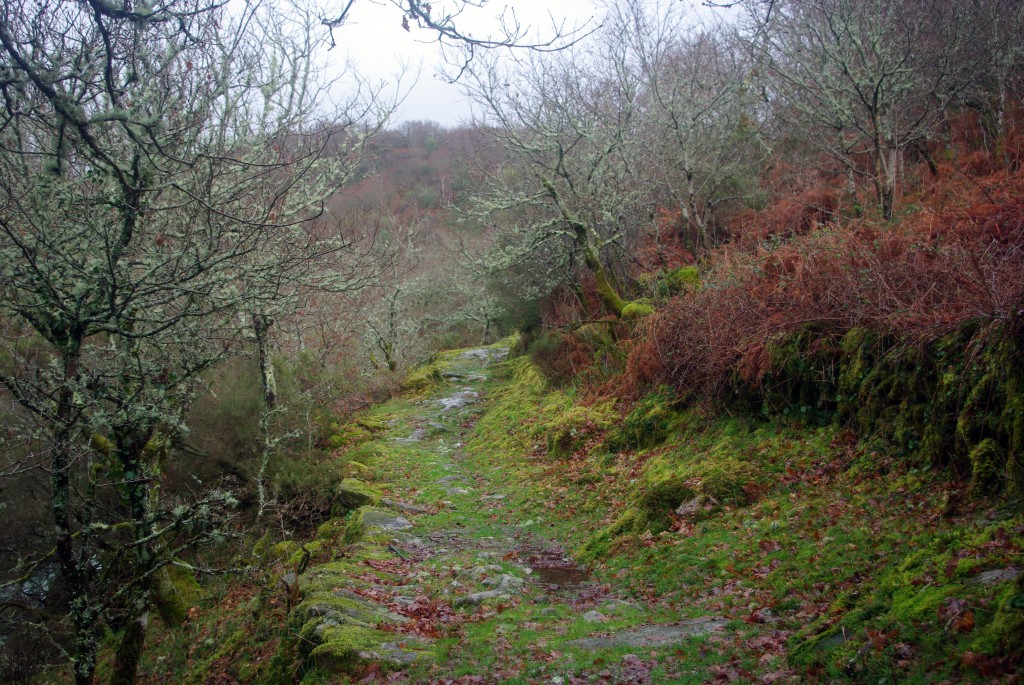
[
  {"x": 344, "y": 648},
  {"x": 334, "y": 605},
  {"x": 356, "y": 469},
  {"x": 656, "y": 502},
  {"x": 353, "y": 493},
  {"x": 372, "y": 424},
  {"x": 175, "y": 591},
  {"x": 348, "y": 436},
  {"x": 727, "y": 480},
  {"x": 368, "y": 522},
  {"x": 637, "y": 309},
  {"x": 423, "y": 377},
  {"x": 331, "y": 529}
]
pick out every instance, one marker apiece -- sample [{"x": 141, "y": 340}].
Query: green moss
[
  {"x": 371, "y": 424},
  {"x": 1005, "y": 633},
  {"x": 986, "y": 466},
  {"x": 800, "y": 380},
  {"x": 303, "y": 553},
  {"x": 672, "y": 281},
  {"x": 646, "y": 425},
  {"x": 174, "y": 592},
  {"x": 331, "y": 530},
  {"x": 727, "y": 480},
  {"x": 356, "y": 469},
  {"x": 422, "y": 378},
  {"x": 637, "y": 309},
  {"x": 344, "y": 648},
  {"x": 567, "y": 426},
  {"x": 656, "y": 502},
  {"x": 369, "y": 522},
  {"x": 327, "y": 605},
  {"x": 353, "y": 493},
  {"x": 284, "y": 550},
  {"x": 348, "y": 436}
]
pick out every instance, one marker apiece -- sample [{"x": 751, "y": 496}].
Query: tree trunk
[
  {"x": 261, "y": 327},
  {"x": 129, "y": 651},
  {"x": 82, "y": 613},
  {"x": 135, "y": 449},
  {"x": 605, "y": 290}
]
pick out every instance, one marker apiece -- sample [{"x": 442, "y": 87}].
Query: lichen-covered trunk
[
  {"x": 605, "y": 290},
  {"x": 610, "y": 297},
  {"x": 82, "y": 611},
  {"x": 886, "y": 158},
  {"x": 135, "y": 456},
  {"x": 261, "y": 328}
]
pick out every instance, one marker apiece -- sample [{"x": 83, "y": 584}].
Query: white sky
[{"x": 373, "y": 38}]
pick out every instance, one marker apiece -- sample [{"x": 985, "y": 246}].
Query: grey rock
[
  {"x": 459, "y": 399},
  {"x": 594, "y": 617},
  {"x": 995, "y": 576},
  {"x": 695, "y": 505},
  {"x": 378, "y": 520},
  {"x": 481, "y": 597},
  {"x": 617, "y": 606},
  {"x": 653, "y": 635},
  {"x": 504, "y": 582}
]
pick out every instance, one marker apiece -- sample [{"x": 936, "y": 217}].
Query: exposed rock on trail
[{"x": 652, "y": 635}]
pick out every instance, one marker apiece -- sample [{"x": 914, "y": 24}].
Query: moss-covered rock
[
  {"x": 423, "y": 377},
  {"x": 372, "y": 424},
  {"x": 174, "y": 592},
  {"x": 568, "y": 426},
  {"x": 356, "y": 469},
  {"x": 370, "y": 522},
  {"x": 343, "y": 648},
  {"x": 637, "y": 309},
  {"x": 353, "y": 493},
  {"x": 331, "y": 530},
  {"x": 347, "y": 436}
]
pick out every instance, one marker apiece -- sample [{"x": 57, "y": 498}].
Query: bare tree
[
  {"x": 570, "y": 193},
  {"x": 864, "y": 79},
  {"x": 701, "y": 115}
]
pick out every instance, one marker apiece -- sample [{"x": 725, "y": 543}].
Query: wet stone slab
[{"x": 459, "y": 399}]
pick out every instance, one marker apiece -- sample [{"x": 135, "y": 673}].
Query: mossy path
[{"x": 445, "y": 579}]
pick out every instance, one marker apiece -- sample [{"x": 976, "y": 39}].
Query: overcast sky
[{"x": 373, "y": 38}]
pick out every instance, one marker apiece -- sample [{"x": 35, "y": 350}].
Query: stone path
[{"x": 444, "y": 552}]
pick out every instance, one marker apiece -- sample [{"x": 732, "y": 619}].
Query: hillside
[{"x": 508, "y": 533}]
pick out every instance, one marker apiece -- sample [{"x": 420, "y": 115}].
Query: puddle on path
[
  {"x": 553, "y": 567},
  {"x": 561, "y": 577}
]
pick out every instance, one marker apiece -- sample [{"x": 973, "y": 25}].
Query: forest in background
[{"x": 810, "y": 212}]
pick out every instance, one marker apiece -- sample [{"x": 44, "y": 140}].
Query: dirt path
[{"x": 443, "y": 581}]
